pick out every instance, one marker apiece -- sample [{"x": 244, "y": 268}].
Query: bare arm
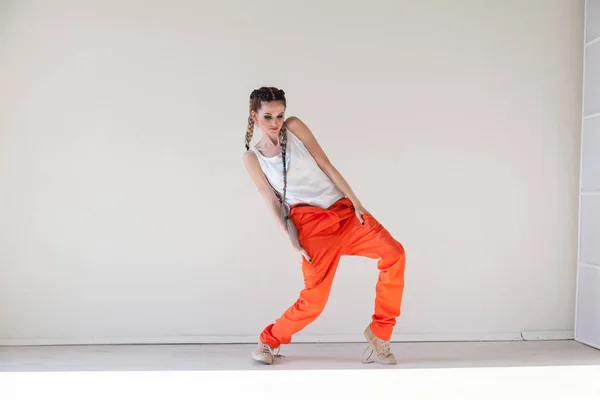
[
  {"x": 263, "y": 186},
  {"x": 266, "y": 191},
  {"x": 302, "y": 131}
]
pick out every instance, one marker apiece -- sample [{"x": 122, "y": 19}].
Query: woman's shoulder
[
  {"x": 298, "y": 128},
  {"x": 294, "y": 123},
  {"x": 250, "y": 157}
]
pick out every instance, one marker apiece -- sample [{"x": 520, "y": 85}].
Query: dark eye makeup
[{"x": 269, "y": 116}]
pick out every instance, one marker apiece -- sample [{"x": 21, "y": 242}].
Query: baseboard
[
  {"x": 300, "y": 338},
  {"x": 548, "y": 335}
]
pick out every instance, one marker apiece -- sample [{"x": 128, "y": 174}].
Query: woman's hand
[
  {"x": 304, "y": 255},
  {"x": 359, "y": 210}
]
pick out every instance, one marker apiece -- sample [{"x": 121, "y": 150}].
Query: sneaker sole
[{"x": 259, "y": 360}]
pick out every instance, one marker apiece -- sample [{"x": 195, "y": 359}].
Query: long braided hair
[{"x": 257, "y": 97}]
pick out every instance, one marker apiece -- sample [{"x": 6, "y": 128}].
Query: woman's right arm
[
  {"x": 264, "y": 188},
  {"x": 266, "y": 191}
]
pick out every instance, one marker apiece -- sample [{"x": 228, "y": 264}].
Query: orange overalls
[{"x": 326, "y": 235}]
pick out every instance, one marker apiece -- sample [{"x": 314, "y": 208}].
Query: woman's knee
[
  {"x": 311, "y": 307},
  {"x": 396, "y": 254},
  {"x": 399, "y": 250}
]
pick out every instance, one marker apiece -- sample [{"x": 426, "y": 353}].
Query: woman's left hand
[{"x": 359, "y": 210}]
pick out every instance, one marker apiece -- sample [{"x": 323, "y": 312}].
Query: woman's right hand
[{"x": 304, "y": 255}]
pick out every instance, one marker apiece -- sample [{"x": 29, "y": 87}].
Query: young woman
[{"x": 324, "y": 220}]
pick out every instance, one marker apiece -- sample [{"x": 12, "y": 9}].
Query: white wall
[
  {"x": 126, "y": 213},
  {"x": 587, "y": 324}
]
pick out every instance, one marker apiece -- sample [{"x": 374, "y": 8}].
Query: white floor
[
  {"x": 297, "y": 356},
  {"x": 555, "y": 369}
]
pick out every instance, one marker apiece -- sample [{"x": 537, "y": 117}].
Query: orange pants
[{"x": 326, "y": 235}]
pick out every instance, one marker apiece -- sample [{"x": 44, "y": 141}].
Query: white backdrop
[{"x": 126, "y": 214}]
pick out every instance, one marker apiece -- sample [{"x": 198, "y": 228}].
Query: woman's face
[{"x": 270, "y": 117}]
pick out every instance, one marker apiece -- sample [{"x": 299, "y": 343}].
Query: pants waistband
[{"x": 310, "y": 219}]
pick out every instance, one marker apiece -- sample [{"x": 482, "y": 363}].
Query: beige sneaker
[
  {"x": 381, "y": 348},
  {"x": 263, "y": 353}
]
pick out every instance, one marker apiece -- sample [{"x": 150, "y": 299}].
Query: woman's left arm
[{"x": 303, "y": 133}]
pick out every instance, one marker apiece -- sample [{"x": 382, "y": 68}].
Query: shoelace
[
  {"x": 266, "y": 349},
  {"x": 384, "y": 351}
]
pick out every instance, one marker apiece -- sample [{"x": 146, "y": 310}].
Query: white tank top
[{"x": 306, "y": 182}]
